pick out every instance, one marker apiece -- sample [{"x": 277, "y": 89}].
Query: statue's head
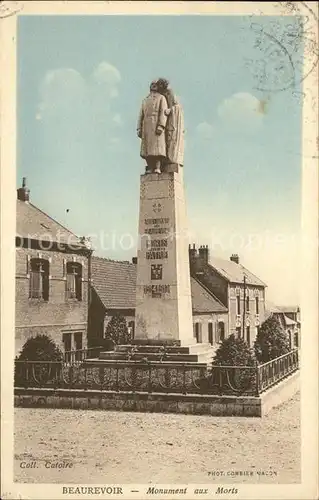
[
  {"x": 153, "y": 86},
  {"x": 162, "y": 85}
]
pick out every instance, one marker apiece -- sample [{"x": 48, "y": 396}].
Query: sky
[{"x": 81, "y": 80}]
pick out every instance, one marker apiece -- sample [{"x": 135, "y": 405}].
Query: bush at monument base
[
  {"x": 39, "y": 348},
  {"x": 233, "y": 352},
  {"x": 271, "y": 341},
  {"x": 116, "y": 332}
]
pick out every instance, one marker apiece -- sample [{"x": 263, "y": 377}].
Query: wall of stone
[
  {"x": 143, "y": 402},
  {"x": 195, "y": 404},
  {"x": 58, "y": 314},
  {"x": 280, "y": 392}
]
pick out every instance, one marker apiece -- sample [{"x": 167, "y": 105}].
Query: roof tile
[
  {"x": 233, "y": 272},
  {"x": 32, "y": 223}
]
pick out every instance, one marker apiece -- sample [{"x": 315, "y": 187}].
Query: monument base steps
[{"x": 195, "y": 353}]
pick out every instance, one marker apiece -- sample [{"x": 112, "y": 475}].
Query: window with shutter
[
  {"x": 74, "y": 280},
  {"x": 39, "y": 279},
  {"x": 198, "y": 332},
  {"x": 238, "y": 304},
  {"x": 257, "y": 305},
  {"x": 210, "y": 333},
  {"x": 221, "y": 331}
]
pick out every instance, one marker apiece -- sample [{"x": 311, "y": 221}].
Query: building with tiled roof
[
  {"x": 115, "y": 283},
  {"x": 113, "y": 292},
  {"x": 234, "y": 272},
  {"x": 237, "y": 288},
  {"x": 52, "y": 278},
  {"x": 64, "y": 292}
]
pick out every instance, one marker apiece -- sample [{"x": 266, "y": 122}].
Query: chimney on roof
[
  {"x": 23, "y": 192},
  {"x": 235, "y": 258},
  {"x": 204, "y": 253},
  {"x": 192, "y": 251},
  {"x": 134, "y": 260}
]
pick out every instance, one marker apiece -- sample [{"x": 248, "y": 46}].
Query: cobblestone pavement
[{"x": 114, "y": 447}]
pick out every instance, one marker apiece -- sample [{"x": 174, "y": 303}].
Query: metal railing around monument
[
  {"x": 80, "y": 355},
  {"x": 272, "y": 372},
  {"x": 141, "y": 376}
]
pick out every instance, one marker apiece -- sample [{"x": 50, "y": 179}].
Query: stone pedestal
[
  {"x": 163, "y": 317},
  {"x": 163, "y": 294},
  {"x": 160, "y": 354}
]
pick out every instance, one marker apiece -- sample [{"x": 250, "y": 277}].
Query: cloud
[
  {"x": 65, "y": 93},
  {"x": 107, "y": 75},
  {"x": 241, "y": 111},
  {"x": 61, "y": 91},
  {"x": 205, "y": 130}
]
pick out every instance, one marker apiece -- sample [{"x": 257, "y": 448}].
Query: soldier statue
[{"x": 161, "y": 129}]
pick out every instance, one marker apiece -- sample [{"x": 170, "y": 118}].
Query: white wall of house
[
  {"x": 254, "y": 309},
  {"x": 210, "y": 328}
]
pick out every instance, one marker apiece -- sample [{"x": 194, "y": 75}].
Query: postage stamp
[{"x": 159, "y": 250}]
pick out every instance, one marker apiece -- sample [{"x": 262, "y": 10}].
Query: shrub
[
  {"x": 233, "y": 352},
  {"x": 271, "y": 341},
  {"x": 117, "y": 332},
  {"x": 40, "y": 348}
]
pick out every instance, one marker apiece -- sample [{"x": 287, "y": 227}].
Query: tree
[
  {"x": 117, "y": 331},
  {"x": 271, "y": 341},
  {"x": 40, "y": 348}
]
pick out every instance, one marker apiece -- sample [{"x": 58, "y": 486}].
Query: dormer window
[
  {"x": 74, "y": 280},
  {"x": 39, "y": 279}
]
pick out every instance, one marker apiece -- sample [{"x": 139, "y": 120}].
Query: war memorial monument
[{"x": 163, "y": 315}]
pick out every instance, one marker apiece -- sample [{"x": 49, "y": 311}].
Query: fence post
[{"x": 257, "y": 379}]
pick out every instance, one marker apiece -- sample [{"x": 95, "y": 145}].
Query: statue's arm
[
  {"x": 140, "y": 123},
  {"x": 162, "y": 117}
]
